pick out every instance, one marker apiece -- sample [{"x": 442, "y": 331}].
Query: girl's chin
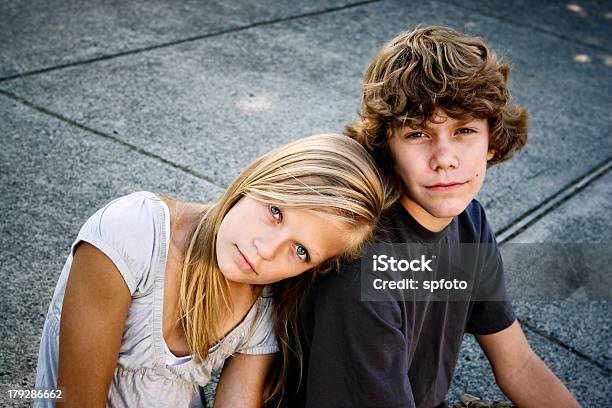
[{"x": 237, "y": 278}]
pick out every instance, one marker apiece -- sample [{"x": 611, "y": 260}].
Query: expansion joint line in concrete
[
  {"x": 571, "y": 349},
  {"x": 536, "y": 213},
  {"x": 545, "y": 207},
  {"x": 184, "y": 40},
  {"x": 533, "y": 27},
  {"x": 109, "y": 137}
]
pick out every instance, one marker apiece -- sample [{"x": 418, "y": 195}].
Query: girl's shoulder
[
  {"x": 132, "y": 231},
  {"x": 260, "y": 338},
  {"x": 126, "y": 218},
  {"x": 184, "y": 209},
  {"x": 184, "y": 217}
]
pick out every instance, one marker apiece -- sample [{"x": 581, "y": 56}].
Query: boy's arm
[{"x": 520, "y": 373}]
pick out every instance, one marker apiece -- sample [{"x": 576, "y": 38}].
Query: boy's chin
[
  {"x": 425, "y": 207},
  {"x": 448, "y": 209}
]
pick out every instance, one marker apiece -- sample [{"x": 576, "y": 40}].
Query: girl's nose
[{"x": 268, "y": 245}]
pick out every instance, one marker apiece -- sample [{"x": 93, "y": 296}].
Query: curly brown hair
[{"x": 429, "y": 67}]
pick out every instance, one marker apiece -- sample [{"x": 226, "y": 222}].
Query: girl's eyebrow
[{"x": 313, "y": 253}]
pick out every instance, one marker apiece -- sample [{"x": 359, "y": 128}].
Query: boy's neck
[{"x": 425, "y": 219}]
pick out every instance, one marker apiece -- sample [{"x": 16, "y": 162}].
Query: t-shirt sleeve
[
  {"x": 357, "y": 350},
  {"x": 124, "y": 230},
  {"x": 491, "y": 311},
  {"x": 260, "y": 338}
]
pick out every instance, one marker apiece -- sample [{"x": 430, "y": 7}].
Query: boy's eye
[
  {"x": 415, "y": 135},
  {"x": 276, "y": 213},
  {"x": 466, "y": 130},
  {"x": 302, "y": 253}
]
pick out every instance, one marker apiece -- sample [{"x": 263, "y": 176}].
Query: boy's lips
[
  {"x": 243, "y": 262},
  {"x": 444, "y": 187}
]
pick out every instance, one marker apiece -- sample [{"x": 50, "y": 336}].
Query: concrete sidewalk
[{"x": 99, "y": 100}]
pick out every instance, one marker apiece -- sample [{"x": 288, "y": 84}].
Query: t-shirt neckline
[{"x": 419, "y": 231}]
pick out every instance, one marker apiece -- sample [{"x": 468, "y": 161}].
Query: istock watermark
[
  {"x": 384, "y": 263},
  {"x": 486, "y": 272},
  {"x": 415, "y": 272}
]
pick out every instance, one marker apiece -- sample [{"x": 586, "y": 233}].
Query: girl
[{"x": 157, "y": 293}]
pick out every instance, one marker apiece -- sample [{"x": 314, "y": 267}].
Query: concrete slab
[
  {"x": 585, "y": 326},
  {"x": 584, "y": 218},
  {"x": 215, "y": 104},
  {"x": 22, "y": 351},
  {"x": 567, "y": 254},
  {"x": 43, "y": 34},
  {"x": 585, "y": 21},
  {"x": 53, "y": 177},
  {"x": 474, "y": 375}
]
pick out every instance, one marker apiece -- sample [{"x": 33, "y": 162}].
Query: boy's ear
[{"x": 490, "y": 154}]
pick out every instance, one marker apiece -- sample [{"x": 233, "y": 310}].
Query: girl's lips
[{"x": 243, "y": 262}]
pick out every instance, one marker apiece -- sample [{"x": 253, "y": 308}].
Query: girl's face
[{"x": 260, "y": 244}]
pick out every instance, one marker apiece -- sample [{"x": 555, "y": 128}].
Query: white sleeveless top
[{"x": 134, "y": 232}]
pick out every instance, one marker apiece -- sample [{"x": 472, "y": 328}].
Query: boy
[{"x": 435, "y": 113}]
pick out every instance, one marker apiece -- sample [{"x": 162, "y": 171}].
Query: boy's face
[{"x": 442, "y": 166}]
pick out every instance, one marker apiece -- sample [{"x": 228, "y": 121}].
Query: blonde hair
[{"x": 327, "y": 173}]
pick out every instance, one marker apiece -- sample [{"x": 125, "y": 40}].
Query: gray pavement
[
  {"x": 98, "y": 100},
  {"x": 574, "y": 335}
]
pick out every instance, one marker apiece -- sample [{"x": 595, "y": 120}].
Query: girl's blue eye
[
  {"x": 276, "y": 212},
  {"x": 302, "y": 253}
]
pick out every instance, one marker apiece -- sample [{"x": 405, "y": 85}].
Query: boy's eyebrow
[
  {"x": 424, "y": 126},
  {"x": 466, "y": 121}
]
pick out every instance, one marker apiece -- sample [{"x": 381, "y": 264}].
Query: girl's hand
[
  {"x": 95, "y": 307},
  {"x": 242, "y": 380}
]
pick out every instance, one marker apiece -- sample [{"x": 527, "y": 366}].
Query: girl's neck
[
  {"x": 243, "y": 294},
  {"x": 184, "y": 219}
]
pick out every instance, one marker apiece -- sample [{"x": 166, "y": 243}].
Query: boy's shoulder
[{"x": 473, "y": 225}]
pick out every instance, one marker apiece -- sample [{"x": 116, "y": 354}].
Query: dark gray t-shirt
[{"x": 392, "y": 353}]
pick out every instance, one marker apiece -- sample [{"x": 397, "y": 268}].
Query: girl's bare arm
[
  {"x": 95, "y": 307},
  {"x": 242, "y": 381}
]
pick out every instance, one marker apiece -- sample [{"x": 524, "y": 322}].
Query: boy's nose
[{"x": 443, "y": 158}]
